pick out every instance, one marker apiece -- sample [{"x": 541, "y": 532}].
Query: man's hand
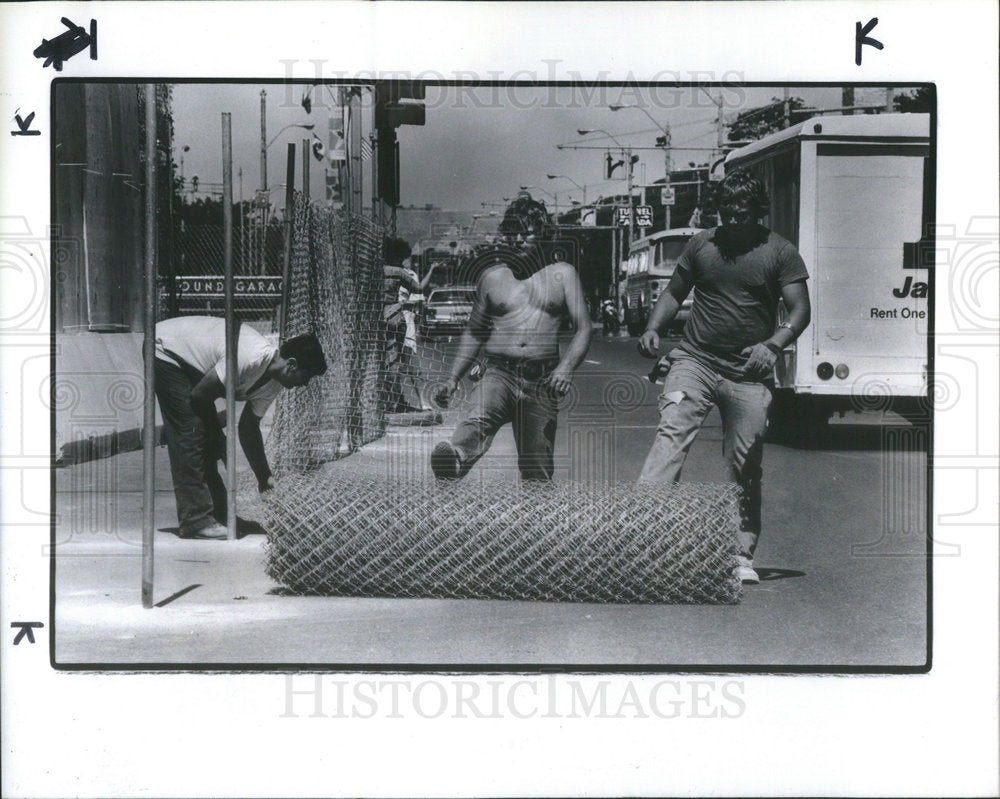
[
  {"x": 649, "y": 344},
  {"x": 265, "y": 485},
  {"x": 559, "y": 380},
  {"x": 760, "y": 361},
  {"x": 443, "y": 395}
]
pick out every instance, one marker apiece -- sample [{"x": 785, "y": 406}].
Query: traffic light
[
  {"x": 388, "y": 166},
  {"x": 394, "y": 106}
]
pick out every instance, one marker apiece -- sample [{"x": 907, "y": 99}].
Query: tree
[
  {"x": 919, "y": 101},
  {"x": 755, "y": 123}
]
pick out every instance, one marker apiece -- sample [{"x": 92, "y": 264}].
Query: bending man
[{"x": 190, "y": 370}]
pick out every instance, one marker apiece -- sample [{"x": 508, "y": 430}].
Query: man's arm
[
  {"x": 762, "y": 357},
  {"x": 663, "y": 313},
  {"x": 474, "y": 336},
  {"x": 427, "y": 278},
  {"x": 253, "y": 447},
  {"x": 403, "y": 274},
  {"x": 795, "y": 297},
  {"x": 206, "y": 392},
  {"x": 576, "y": 306}
]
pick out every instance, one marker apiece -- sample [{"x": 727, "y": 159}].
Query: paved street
[{"x": 844, "y": 580}]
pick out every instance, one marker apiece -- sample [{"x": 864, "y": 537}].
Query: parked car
[{"x": 447, "y": 309}]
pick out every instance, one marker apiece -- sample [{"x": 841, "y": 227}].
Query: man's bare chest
[{"x": 538, "y": 293}]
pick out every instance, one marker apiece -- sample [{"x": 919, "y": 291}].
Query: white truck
[{"x": 855, "y": 195}]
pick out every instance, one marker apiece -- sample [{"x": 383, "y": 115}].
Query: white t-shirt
[{"x": 199, "y": 342}]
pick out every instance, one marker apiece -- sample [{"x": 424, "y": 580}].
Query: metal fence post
[{"x": 231, "y": 333}]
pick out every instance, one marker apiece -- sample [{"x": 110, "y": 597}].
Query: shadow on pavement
[
  {"x": 847, "y": 437},
  {"x": 767, "y": 575},
  {"x": 244, "y": 527},
  {"x": 177, "y": 595}
]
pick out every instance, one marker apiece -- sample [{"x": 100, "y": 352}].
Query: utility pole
[
  {"x": 262, "y": 197},
  {"x": 243, "y": 249},
  {"x": 631, "y": 211},
  {"x": 263, "y": 140},
  {"x": 668, "y": 168}
]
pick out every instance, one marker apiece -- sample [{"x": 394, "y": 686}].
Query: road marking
[{"x": 598, "y": 363}]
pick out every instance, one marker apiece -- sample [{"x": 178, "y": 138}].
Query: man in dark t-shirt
[{"x": 730, "y": 344}]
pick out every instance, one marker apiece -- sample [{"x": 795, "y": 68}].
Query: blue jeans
[
  {"x": 690, "y": 389},
  {"x": 195, "y": 445},
  {"x": 511, "y": 391}
]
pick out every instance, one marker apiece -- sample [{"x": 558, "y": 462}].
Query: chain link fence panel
[{"x": 334, "y": 292}]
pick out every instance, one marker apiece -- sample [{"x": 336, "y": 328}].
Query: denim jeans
[
  {"x": 511, "y": 392},
  {"x": 195, "y": 445},
  {"x": 690, "y": 389}
]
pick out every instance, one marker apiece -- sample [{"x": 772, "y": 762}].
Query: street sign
[
  {"x": 644, "y": 215},
  {"x": 214, "y": 286},
  {"x": 667, "y": 196},
  {"x": 623, "y": 216}
]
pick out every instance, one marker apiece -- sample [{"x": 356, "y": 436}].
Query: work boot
[{"x": 445, "y": 462}]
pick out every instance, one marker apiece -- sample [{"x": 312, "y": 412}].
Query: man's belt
[{"x": 527, "y": 368}]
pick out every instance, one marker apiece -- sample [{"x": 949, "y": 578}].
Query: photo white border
[{"x": 224, "y": 735}]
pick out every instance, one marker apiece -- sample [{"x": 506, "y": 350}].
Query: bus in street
[{"x": 650, "y": 263}]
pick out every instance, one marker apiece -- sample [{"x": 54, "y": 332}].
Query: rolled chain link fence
[{"x": 365, "y": 536}]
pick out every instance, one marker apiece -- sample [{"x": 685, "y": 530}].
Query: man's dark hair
[
  {"x": 743, "y": 187},
  {"x": 528, "y": 217},
  {"x": 395, "y": 251},
  {"x": 307, "y": 352}
]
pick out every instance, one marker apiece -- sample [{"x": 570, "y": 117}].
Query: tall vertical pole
[
  {"x": 614, "y": 266},
  {"x": 231, "y": 333},
  {"x": 345, "y": 169},
  {"x": 668, "y": 167},
  {"x": 243, "y": 249},
  {"x": 148, "y": 354},
  {"x": 357, "y": 177},
  {"x": 720, "y": 124},
  {"x": 305, "y": 171},
  {"x": 631, "y": 211},
  {"x": 261, "y": 245},
  {"x": 263, "y": 140},
  {"x": 286, "y": 266}
]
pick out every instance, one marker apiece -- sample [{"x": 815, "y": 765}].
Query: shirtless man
[{"x": 515, "y": 324}]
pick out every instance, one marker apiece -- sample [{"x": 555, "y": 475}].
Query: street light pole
[{"x": 668, "y": 167}]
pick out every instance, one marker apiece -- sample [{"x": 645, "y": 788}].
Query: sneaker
[
  {"x": 745, "y": 571},
  {"x": 216, "y": 532},
  {"x": 445, "y": 462}
]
